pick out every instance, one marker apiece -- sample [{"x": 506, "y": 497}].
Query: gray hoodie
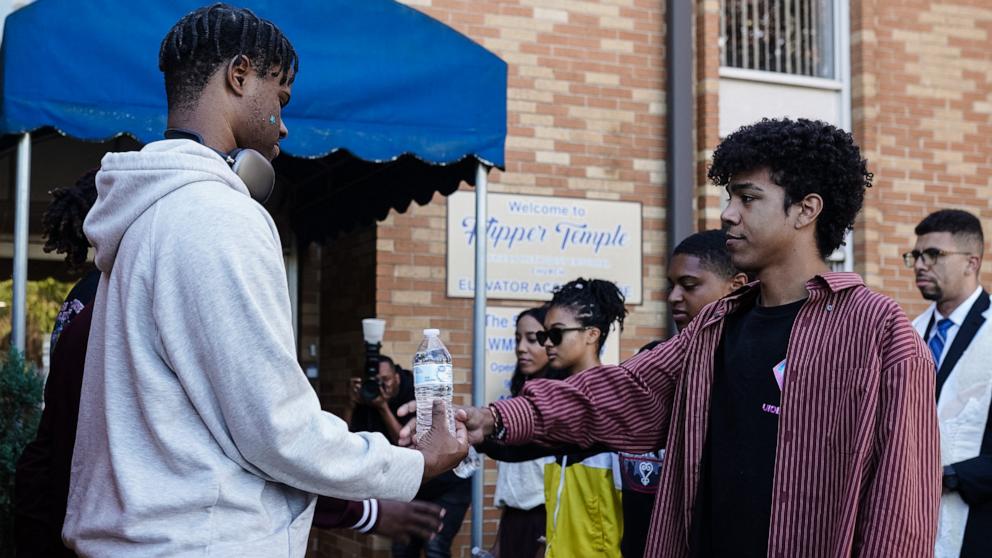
[{"x": 198, "y": 433}]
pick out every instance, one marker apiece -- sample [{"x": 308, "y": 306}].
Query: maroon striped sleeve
[
  {"x": 517, "y": 414},
  {"x": 626, "y": 407},
  {"x": 898, "y": 515}
]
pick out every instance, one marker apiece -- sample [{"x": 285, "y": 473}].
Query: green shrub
[
  {"x": 21, "y": 391},
  {"x": 43, "y": 301}
]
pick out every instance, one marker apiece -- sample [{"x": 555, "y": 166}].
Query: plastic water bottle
[{"x": 432, "y": 379}]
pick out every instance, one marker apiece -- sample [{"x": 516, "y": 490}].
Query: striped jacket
[{"x": 857, "y": 469}]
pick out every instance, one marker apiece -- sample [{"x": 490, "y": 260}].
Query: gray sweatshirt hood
[{"x": 130, "y": 183}]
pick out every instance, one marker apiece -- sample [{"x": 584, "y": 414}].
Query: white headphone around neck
[{"x": 251, "y": 166}]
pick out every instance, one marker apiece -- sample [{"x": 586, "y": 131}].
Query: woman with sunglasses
[
  {"x": 582, "y": 487},
  {"x": 520, "y": 485}
]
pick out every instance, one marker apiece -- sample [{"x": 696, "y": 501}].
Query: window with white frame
[{"x": 786, "y": 36}]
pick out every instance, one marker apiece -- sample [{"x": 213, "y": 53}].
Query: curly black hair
[
  {"x": 208, "y": 37},
  {"x": 596, "y": 303},
  {"x": 62, "y": 222},
  {"x": 803, "y": 157}
]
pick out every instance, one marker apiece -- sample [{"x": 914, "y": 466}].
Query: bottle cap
[{"x": 432, "y": 332}]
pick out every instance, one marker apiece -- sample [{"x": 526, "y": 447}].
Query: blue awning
[{"x": 377, "y": 79}]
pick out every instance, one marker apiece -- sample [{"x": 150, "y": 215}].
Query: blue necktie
[{"x": 939, "y": 338}]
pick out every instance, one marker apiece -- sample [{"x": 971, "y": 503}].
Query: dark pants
[
  {"x": 520, "y": 533},
  {"x": 455, "y": 505}
]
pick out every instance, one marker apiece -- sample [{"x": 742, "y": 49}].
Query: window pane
[{"x": 789, "y": 36}]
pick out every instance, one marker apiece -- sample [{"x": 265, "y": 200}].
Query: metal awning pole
[
  {"x": 479, "y": 337},
  {"x": 681, "y": 163},
  {"x": 22, "y": 199}
]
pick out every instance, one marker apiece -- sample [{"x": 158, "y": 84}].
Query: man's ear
[
  {"x": 738, "y": 281},
  {"x": 238, "y": 70},
  {"x": 975, "y": 264},
  {"x": 810, "y": 208}
]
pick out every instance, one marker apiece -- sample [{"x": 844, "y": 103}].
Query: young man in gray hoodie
[{"x": 198, "y": 433}]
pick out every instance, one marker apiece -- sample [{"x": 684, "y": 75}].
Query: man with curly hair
[{"x": 797, "y": 414}]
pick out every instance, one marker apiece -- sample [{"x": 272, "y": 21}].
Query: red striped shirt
[{"x": 857, "y": 470}]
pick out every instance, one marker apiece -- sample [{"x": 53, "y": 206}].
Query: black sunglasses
[{"x": 555, "y": 334}]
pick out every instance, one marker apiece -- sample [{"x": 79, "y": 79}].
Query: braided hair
[
  {"x": 62, "y": 222},
  {"x": 595, "y": 302},
  {"x": 206, "y": 38}
]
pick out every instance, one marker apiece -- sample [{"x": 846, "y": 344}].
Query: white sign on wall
[
  {"x": 501, "y": 357},
  {"x": 537, "y": 243}
]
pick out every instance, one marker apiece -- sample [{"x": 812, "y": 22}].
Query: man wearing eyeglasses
[{"x": 946, "y": 261}]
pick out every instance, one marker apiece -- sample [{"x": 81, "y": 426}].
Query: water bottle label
[{"x": 431, "y": 374}]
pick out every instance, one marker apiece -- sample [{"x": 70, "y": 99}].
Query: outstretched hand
[{"x": 479, "y": 422}]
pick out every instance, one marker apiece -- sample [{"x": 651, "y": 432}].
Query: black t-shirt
[
  {"x": 639, "y": 475},
  {"x": 733, "y": 506}
]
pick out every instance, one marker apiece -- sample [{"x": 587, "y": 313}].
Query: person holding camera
[
  {"x": 375, "y": 401},
  {"x": 374, "y": 408}
]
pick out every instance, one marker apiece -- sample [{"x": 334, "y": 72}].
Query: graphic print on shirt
[
  {"x": 70, "y": 309},
  {"x": 779, "y": 372},
  {"x": 641, "y": 472}
]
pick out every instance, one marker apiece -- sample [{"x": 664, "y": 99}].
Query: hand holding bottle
[
  {"x": 442, "y": 450},
  {"x": 477, "y": 421}
]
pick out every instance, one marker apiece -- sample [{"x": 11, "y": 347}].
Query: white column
[
  {"x": 22, "y": 199},
  {"x": 842, "y": 64},
  {"x": 479, "y": 338}
]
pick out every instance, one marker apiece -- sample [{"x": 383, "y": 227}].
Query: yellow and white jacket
[{"x": 585, "y": 515}]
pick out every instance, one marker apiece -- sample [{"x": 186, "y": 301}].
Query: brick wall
[{"x": 922, "y": 108}]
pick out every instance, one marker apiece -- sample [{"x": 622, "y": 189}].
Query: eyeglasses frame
[{"x": 933, "y": 254}]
